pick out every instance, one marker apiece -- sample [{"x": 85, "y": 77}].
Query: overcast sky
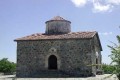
[{"x": 19, "y": 18}]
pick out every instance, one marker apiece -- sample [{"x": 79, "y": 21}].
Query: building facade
[{"x": 58, "y": 52}]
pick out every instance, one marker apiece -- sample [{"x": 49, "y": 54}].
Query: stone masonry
[{"x": 58, "y": 53}]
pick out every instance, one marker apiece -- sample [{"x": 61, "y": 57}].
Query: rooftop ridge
[{"x": 71, "y": 35}]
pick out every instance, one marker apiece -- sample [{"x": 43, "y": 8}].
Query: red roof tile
[
  {"x": 57, "y": 18},
  {"x": 71, "y": 35}
]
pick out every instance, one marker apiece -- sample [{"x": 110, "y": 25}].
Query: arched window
[
  {"x": 97, "y": 55},
  {"x": 97, "y": 63}
]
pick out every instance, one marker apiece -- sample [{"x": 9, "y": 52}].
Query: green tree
[
  {"x": 115, "y": 56},
  {"x": 7, "y": 66},
  {"x": 108, "y": 69}
]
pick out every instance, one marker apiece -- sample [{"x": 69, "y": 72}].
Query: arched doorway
[{"x": 52, "y": 62}]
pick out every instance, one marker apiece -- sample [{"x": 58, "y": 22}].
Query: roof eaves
[{"x": 50, "y": 39}]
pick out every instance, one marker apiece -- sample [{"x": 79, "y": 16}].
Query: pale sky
[{"x": 19, "y": 18}]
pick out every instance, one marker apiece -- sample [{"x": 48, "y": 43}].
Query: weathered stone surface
[
  {"x": 73, "y": 56},
  {"x": 58, "y": 25},
  {"x": 68, "y": 55}
]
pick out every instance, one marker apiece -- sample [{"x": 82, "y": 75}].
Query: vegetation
[
  {"x": 115, "y": 56},
  {"x": 7, "y": 66},
  {"x": 108, "y": 69}
]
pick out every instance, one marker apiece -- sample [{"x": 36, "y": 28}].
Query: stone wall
[
  {"x": 57, "y": 27},
  {"x": 73, "y": 56},
  {"x": 96, "y": 49}
]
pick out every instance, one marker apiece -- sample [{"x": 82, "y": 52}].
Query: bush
[
  {"x": 108, "y": 69},
  {"x": 7, "y": 66}
]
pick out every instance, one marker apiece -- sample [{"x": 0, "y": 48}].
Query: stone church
[{"x": 58, "y": 52}]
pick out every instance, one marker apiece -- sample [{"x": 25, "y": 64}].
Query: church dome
[
  {"x": 57, "y": 18},
  {"x": 58, "y": 25}
]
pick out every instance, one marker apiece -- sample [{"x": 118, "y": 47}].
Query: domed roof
[{"x": 57, "y": 18}]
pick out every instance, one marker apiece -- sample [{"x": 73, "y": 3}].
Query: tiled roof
[
  {"x": 57, "y": 18},
  {"x": 72, "y": 35}
]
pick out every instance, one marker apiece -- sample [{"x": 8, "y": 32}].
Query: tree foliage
[
  {"x": 115, "y": 56},
  {"x": 108, "y": 69},
  {"x": 7, "y": 66}
]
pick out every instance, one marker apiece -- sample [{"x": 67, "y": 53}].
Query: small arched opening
[
  {"x": 52, "y": 62},
  {"x": 97, "y": 63}
]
